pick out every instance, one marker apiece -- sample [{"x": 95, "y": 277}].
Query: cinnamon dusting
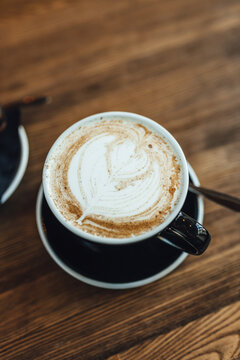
[{"x": 95, "y": 224}]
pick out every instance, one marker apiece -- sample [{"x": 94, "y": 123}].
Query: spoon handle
[
  {"x": 28, "y": 101},
  {"x": 228, "y": 201}
]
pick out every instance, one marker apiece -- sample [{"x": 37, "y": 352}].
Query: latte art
[{"x": 114, "y": 178}]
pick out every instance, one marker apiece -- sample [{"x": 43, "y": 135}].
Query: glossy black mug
[{"x": 178, "y": 230}]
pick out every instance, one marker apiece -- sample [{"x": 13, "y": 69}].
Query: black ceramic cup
[{"x": 178, "y": 229}]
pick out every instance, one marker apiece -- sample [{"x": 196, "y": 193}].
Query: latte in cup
[{"x": 114, "y": 177}]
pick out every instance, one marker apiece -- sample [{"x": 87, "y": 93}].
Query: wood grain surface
[{"x": 177, "y": 62}]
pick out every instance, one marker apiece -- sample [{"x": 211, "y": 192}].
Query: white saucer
[
  {"x": 108, "y": 285},
  {"x": 21, "y": 167}
]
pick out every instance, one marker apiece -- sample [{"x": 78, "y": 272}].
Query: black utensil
[
  {"x": 228, "y": 201},
  {"x": 28, "y": 101}
]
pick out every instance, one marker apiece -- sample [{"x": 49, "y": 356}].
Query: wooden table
[{"x": 177, "y": 62}]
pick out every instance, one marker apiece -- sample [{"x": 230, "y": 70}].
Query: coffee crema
[{"x": 114, "y": 178}]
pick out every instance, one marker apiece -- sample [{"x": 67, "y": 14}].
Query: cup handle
[{"x": 186, "y": 234}]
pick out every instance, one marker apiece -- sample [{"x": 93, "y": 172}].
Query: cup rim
[{"x": 120, "y": 241}]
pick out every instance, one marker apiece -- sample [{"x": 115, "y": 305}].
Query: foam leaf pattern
[{"x": 118, "y": 174}]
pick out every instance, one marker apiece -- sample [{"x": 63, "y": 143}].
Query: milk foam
[{"x": 114, "y": 178}]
